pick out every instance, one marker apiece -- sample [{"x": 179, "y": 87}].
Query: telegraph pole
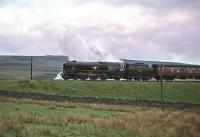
[{"x": 31, "y": 67}]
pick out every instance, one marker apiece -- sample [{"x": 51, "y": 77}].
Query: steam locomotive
[{"x": 129, "y": 71}]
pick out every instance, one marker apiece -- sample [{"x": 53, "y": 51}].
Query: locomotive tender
[{"x": 137, "y": 71}]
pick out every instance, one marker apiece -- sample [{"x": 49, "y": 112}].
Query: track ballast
[{"x": 110, "y": 101}]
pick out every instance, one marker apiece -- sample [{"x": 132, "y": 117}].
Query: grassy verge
[
  {"x": 24, "y": 118},
  {"x": 173, "y": 91}
]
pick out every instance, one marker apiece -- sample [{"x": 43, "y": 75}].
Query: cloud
[
  {"x": 158, "y": 4},
  {"x": 102, "y": 30}
]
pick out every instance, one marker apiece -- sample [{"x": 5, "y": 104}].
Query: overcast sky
[{"x": 90, "y": 30}]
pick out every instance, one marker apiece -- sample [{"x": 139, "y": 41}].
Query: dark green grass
[{"x": 173, "y": 91}]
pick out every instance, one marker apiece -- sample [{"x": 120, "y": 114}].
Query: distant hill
[{"x": 18, "y": 67}]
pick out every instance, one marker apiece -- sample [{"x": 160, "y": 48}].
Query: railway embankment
[{"x": 181, "y": 92}]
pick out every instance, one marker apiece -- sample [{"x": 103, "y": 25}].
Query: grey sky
[{"x": 101, "y": 30}]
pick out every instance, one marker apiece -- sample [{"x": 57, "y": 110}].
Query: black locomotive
[
  {"x": 93, "y": 70},
  {"x": 128, "y": 71}
]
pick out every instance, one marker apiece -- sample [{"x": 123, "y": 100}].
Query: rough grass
[
  {"x": 68, "y": 119},
  {"x": 173, "y": 91}
]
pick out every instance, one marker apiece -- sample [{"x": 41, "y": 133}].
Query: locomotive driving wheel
[
  {"x": 117, "y": 78},
  {"x": 83, "y": 77},
  {"x": 103, "y": 78},
  {"x": 93, "y": 77}
]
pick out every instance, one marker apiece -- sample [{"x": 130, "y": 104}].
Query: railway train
[{"x": 129, "y": 71}]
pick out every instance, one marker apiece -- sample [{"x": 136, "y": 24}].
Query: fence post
[
  {"x": 31, "y": 67},
  {"x": 161, "y": 82},
  {"x": 161, "y": 87}
]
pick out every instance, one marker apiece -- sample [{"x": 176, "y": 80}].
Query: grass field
[
  {"x": 28, "y": 118},
  {"x": 173, "y": 91}
]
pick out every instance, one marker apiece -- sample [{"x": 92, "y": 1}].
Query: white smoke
[
  {"x": 59, "y": 77},
  {"x": 104, "y": 55},
  {"x": 111, "y": 58}
]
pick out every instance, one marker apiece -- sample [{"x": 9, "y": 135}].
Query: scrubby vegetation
[
  {"x": 22, "y": 118},
  {"x": 173, "y": 91}
]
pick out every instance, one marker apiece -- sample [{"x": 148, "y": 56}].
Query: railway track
[
  {"x": 124, "y": 80},
  {"x": 39, "y": 96}
]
